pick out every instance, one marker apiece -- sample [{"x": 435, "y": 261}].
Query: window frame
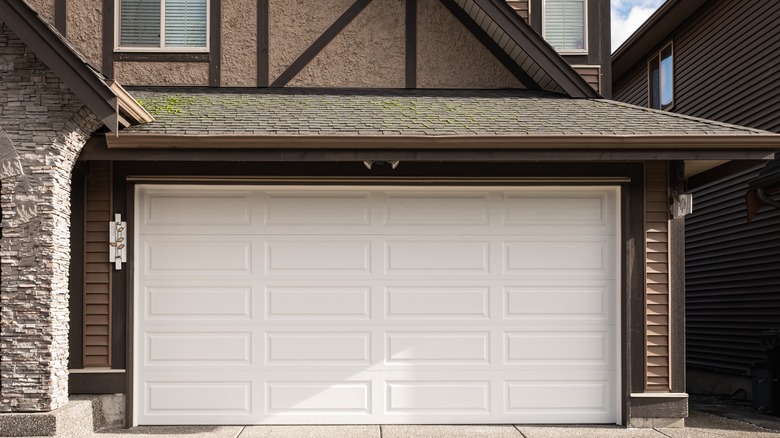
[
  {"x": 161, "y": 48},
  {"x": 585, "y": 30},
  {"x": 657, "y": 57}
]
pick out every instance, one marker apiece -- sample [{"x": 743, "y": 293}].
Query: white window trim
[
  {"x": 585, "y": 30},
  {"x": 657, "y": 56},
  {"x": 162, "y": 48}
]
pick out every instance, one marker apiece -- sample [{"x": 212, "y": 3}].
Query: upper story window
[
  {"x": 564, "y": 25},
  {"x": 661, "y": 72},
  {"x": 162, "y": 25}
]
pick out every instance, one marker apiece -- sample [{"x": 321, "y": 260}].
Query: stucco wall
[
  {"x": 84, "y": 29},
  {"x": 449, "y": 56},
  {"x": 294, "y": 25},
  {"x": 162, "y": 73},
  {"x": 42, "y": 129},
  {"x": 369, "y": 52},
  {"x": 45, "y": 8},
  {"x": 239, "y": 43}
]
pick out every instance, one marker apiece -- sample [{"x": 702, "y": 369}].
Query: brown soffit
[
  {"x": 767, "y": 143},
  {"x": 69, "y": 66},
  {"x": 656, "y": 30}
]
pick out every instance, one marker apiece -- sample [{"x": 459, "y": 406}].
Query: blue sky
[{"x": 628, "y": 15}]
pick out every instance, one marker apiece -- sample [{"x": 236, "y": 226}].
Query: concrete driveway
[{"x": 699, "y": 425}]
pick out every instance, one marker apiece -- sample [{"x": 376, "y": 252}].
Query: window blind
[
  {"x": 564, "y": 24},
  {"x": 139, "y": 23},
  {"x": 185, "y": 23}
]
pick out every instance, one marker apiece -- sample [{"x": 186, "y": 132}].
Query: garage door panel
[
  {"x": 318, "y": 302},
  {"x": 436, "y": 256},
  {"x": 375, "y": 305},
  {"x": 419, "y": 302},
  {"x": 197, "y": 302},
  {"x": 306, "y": 255}
]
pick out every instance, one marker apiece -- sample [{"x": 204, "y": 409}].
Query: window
[
  {"x": 661, "y": 70},
  {"x": 163, "y": 25},
  {"x": 564, "y": 25}
]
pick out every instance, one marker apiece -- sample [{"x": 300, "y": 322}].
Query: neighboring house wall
[
  {"x": 42, "y": 128},
  {"x": 726, "y": 58}
]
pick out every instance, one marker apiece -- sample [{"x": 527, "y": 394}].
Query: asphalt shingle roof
[{"x": 318, "y": 112}]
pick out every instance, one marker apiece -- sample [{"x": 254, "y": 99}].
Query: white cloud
[{"x": 628, "y": 15}]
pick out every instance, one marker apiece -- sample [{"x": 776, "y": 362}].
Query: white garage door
[{"x": 291, "y": 304}]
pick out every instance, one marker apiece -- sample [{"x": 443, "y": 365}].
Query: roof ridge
[{"x": 685, "y": 117}]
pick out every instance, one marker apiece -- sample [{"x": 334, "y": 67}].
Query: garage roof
[{"x": 289, "y": 118}]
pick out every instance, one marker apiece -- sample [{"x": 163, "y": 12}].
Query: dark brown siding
[
  {"x": 97, "y": 269},
  {"x": 592, "y": 74},
  {"x": 727, "y": 64},
  {"x": 633, "y": 88},
  {"x": 732, "y": 277},
  {"x": 520, "y": 6}
]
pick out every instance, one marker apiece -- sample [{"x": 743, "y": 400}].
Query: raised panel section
[
  {"x": 455, "y": 397},
  {"x": 198, "y": 397},
  {"x": 438, "y": 347},
  {"x": 436, "y": 209},
  {"x": 198, "y": 302},
  {"x": 198, "y": 348},
  {"x": 568, "y": 395},
  {"x": 536, "y": 257},
  {"x": 544, "y": 210},
  {"x": 437, "y": 302},
  {"x": 557, "y": 347},
  {"x": 317, "y": 209},
  {"x": 427, "y": 256},
  {"x": 198, "y": 256},
  {"x": 318, "y": 302},
  {"x": 197, "y": 209},
  {"x": 319, "y": 256},
  {"x": 556, "y": 302},
  {"x": 325, "y": 397},
  {"x": 321, "y": 347}
]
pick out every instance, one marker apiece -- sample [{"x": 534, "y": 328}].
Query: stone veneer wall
[{"x": 43, "y": 126}]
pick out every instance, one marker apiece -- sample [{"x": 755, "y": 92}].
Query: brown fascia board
[
  {"x": 537, "y": 48},
  {"x": 51, "y": 48},
  {"x": 656, "y": 30},
  {"x": 701, "y": 143}
]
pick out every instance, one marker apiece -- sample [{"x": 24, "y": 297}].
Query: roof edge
[{"x": 768, "y": 143}]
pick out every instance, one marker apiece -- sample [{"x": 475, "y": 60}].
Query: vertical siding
[
  {"x": 727, "y": 64},
  {"x": 97, "y": 269},
  {"x": 633, "y": 87},
  {"x": 520, "y": 6},
  {"x": 732, "y": 277},
  {"x": 657, "y": 259}
]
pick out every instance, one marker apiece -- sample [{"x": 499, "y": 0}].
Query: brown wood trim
[
  {"x": 262, "y": 43},
  {"x": 215, "y": 41},
  {"x": 633, "y": 276},
  {"x": 76, "y": 270},
  {"x": 161, "y": 57},
  {"x": 108, "y": 38},
  {"x": 97, "y": 383},
  {"x": 746, "y": 144},
  {"x": 411, "y": 43},
  {"x": 313, "y": 50},
  {"x": 121, "y": 315},
  {"x": 535, "y": 15},
  {"x": 61, "y": 16},
  {"x": 677, "y": 286},
  {"x": 490, "y": 44}
]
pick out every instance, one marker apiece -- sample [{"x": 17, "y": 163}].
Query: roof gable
[{"x": 106, "y": 99}]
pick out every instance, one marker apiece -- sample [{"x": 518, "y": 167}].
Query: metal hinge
[{"x": 117, "y": 242}]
